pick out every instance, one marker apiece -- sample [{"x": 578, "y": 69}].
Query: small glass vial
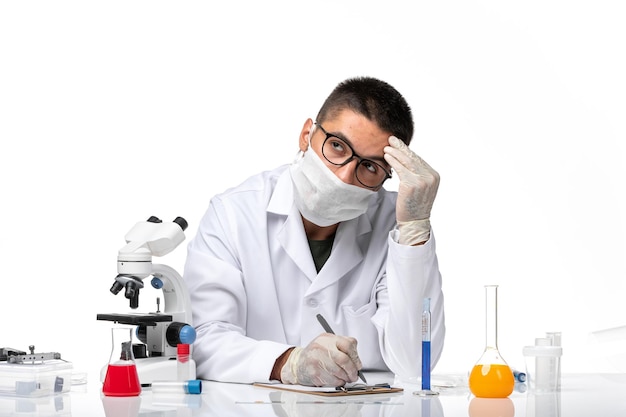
[
  {"x": 184, "y": 365},
  {"x": 193, "y": 386}
]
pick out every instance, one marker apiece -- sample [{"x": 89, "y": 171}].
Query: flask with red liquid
[{"x": 121, "y": 378}]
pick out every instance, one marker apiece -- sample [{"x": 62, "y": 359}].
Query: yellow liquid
[{"x": 491, "y": 381}]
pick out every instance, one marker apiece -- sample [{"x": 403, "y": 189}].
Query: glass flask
[
  {"x": 121, "y": 378},
  {"x": 491, "y": 377}
]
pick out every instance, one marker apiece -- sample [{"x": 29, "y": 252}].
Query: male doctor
[{"x": 322, "y": 236}]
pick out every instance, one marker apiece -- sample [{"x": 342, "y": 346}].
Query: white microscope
[{"x": 159, "y": 332}]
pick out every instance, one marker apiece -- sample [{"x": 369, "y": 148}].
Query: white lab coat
[{"x": 255, "y": 291}]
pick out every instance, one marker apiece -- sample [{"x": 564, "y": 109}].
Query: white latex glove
[
  {"x": 416, "y": 194},
  {"x": 329, "y": 360}
]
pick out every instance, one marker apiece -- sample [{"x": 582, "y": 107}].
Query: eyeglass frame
[{"x": 354, "y": 155}]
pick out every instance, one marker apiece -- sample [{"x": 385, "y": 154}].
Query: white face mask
[{"x": 321, "y": 196}]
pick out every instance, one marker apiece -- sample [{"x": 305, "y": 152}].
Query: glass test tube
[
  {"x": 184, "y": 366},
  {"x": 426, "y": 345},
  {"x": 177, "y": 387}
]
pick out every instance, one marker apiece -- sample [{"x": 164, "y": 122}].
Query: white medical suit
[{"x": 255, "y": 291}]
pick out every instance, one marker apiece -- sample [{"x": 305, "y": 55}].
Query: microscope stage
[{"x": 148, "y": 319}]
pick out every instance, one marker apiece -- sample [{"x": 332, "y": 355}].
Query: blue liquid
[{"x": 426, "y": 365}]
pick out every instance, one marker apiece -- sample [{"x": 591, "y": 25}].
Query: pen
[{"x": 328, "y": 329}]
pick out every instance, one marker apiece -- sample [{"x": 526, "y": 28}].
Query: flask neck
[{"x": 491, "y": 316}]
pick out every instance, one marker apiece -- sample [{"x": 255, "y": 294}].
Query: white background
[{"x": 113, "y": 111}]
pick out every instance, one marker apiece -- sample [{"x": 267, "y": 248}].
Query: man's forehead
[
  {"x": 364, "y": 136},
  {"x": 350, "y": 121}
]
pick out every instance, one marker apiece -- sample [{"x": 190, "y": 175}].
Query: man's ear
[{"x": 305, "y": 134}]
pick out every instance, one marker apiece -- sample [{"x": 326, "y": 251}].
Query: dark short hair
[{"x": 378, "y": 101}]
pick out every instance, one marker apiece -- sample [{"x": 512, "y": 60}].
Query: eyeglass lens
[{"x": 338, "y": 152}]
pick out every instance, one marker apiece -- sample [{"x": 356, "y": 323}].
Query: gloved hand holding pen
[
  {"x": 329, "y": 360},
  {"x": 419, "y": 183}
]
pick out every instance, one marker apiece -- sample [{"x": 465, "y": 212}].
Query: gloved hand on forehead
[
  {"x": 329, "y": 360},
  {"x": 416, "y": 194}
]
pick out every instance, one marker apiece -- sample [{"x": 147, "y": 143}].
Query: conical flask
[
  {"x": 491, "y": 377},
  {"x": 121, "y": 378}
]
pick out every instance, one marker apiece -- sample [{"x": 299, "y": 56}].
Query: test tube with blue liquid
[
  {"x": 426, "y": 363},
  {"x": 426, "y": 345}
]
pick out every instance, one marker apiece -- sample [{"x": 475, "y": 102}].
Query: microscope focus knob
[{"x": 178, "y": 333}]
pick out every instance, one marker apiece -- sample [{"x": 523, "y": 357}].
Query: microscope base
[{"x": 155, "y": 369}]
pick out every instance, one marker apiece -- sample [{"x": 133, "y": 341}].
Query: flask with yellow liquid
[{"x": 491, "y": 377}]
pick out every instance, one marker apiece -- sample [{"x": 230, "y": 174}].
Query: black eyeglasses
[{"x": 338, "y": 152}]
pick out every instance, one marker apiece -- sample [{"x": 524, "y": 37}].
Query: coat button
[{"x": 312, "y": 302}]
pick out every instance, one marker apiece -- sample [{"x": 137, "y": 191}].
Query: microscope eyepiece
[
  {"x": 178, "y": 220},
  {"x": 181, "y": 222}
]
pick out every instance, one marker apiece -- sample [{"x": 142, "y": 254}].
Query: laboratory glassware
[
  {"x": 121, "y": 378},
  {"x": 491, "y": 376},
  {"x": 193, "y": 386},
  {"x": 542, "y": 364},
  {"x": 426, "y": 344},
  {"x": 426, "y": 362},
  {"x": 185, "y": 367}
]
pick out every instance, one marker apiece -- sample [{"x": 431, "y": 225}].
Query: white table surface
[{"x": 580, "y": 395}]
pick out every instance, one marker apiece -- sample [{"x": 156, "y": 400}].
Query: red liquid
[{"x": 121, "y": 381}]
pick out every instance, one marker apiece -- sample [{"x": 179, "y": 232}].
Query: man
[{"x": 322, "y": 236}]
